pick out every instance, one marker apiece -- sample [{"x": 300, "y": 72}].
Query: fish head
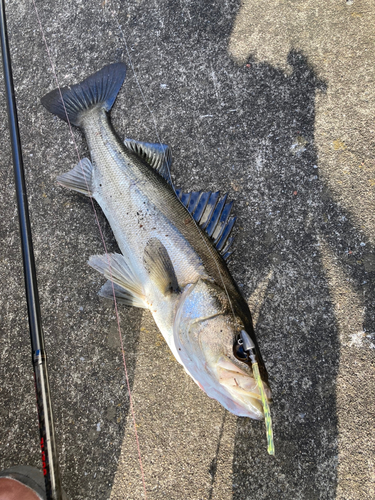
[{"x": 205, "y": 331}]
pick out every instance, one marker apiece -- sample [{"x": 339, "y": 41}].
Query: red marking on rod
[
  {"x": 105, "y": 250},
  {"x": 43, "y": 457}
]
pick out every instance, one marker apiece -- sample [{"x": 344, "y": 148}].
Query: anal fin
[{"x": 79, "y": 178}]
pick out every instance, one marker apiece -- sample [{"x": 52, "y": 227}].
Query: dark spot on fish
[
  {"x": 100, "y": 185},
  {"x": 140, "y": 225},
  {"x": 166, "y": 235}
]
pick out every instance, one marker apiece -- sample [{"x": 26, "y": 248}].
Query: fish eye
[{"x": 239, "y": 352}]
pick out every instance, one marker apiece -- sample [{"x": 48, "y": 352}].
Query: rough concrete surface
[{"x": 274, "y": 103}]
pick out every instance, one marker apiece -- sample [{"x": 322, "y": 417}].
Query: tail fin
[{"x": 98, "y": 90}]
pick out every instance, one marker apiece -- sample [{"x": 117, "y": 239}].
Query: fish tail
[{"x": 98, "y": 90}]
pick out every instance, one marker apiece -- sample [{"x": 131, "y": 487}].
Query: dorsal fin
[
  {"x": 158, "y": 156},
  {"x": 211, "y": 212}
]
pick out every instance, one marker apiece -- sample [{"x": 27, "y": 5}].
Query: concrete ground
[{"x": 274, "y": 103}]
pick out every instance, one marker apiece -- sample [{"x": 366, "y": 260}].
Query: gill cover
[{"x": 204, "y": 331}]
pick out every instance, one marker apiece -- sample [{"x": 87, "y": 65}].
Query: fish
[{"x": 174, "y": 246}]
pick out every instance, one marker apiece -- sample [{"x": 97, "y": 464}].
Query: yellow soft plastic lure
[
  {"x": 249, "y": 347},
  {"x": 266, "y": 409}
]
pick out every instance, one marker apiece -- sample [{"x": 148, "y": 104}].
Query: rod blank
[{"x": 46, "y": 427}]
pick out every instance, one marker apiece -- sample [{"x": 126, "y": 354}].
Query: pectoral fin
[
  {"x": 79, "y": 178},
  {"x": 159, "y": 266},
  {"x": 118, "y": 270}
]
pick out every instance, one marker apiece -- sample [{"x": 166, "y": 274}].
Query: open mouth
[{"x": 244, "y": 392}]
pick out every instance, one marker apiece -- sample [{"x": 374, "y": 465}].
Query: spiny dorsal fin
[
  {"x": 158, "y": 156},
  {"x": 159, "y": 266},
  {"x": 212, "y": 213}
]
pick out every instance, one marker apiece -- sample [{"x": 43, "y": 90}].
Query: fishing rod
[{"x": 39, "y": 359}]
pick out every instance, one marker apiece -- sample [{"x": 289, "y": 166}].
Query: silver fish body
[{"x": 169, "y": 264}]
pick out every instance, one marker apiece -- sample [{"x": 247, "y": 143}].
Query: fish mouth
[
  {"x": 232, "y": 387},
  {"x": 240, "y": 391}
]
